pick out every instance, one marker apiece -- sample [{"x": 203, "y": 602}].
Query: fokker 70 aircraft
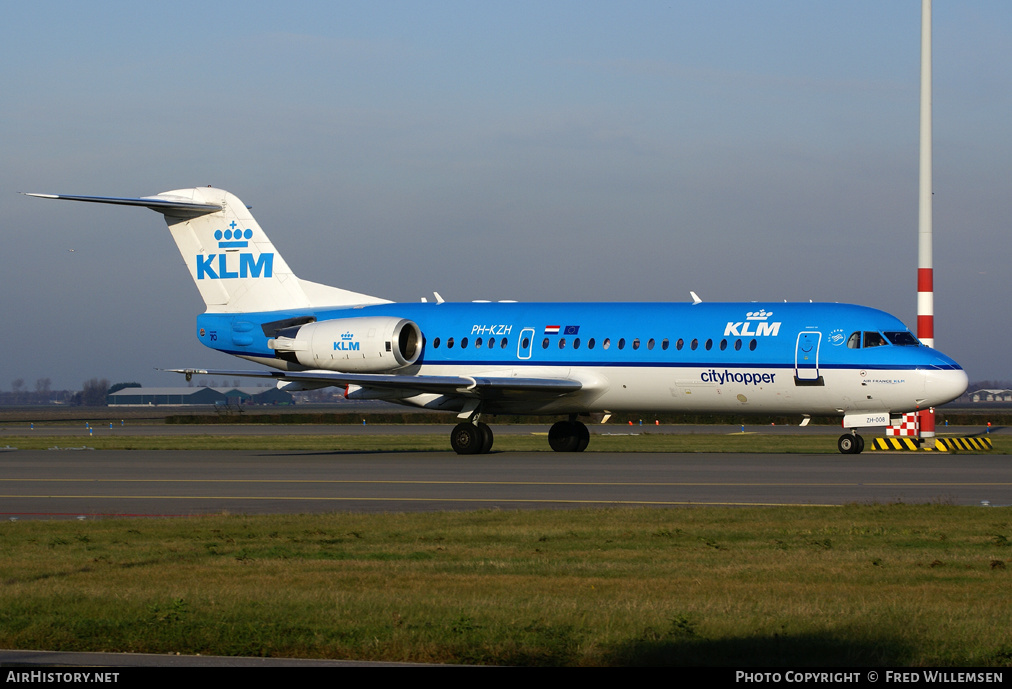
[{"x": 571, "y": 359}]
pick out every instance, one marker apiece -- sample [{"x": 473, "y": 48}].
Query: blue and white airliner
[{"x": 571, "y": 359}]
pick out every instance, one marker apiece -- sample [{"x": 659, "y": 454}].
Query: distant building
[
  {"x": 200, "y": 396},
  {"x": 988, "y": 395}
]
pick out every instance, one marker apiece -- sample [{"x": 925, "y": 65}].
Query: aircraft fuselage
[{"x": 707, "y": 357}]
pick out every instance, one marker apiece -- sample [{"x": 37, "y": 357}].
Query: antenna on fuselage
[{"x": 695, "y": 297}]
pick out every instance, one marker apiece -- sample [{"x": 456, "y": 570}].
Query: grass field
[{"x": 856, "y": 585}]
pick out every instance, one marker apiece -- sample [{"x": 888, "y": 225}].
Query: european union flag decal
[{"x": 572, "y": 330}]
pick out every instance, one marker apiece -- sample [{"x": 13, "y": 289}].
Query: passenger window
[
  {"x": 723, "y": 345},
  {"x": 664, "y": 344},
  {"x": 854, "y": 341},
  {"x": 636, "y": 343},
  {"x": 503, "y": 345},
  {"x": 607, "y": 342},
  {"x": 752, "y": 345},
  {"x": 463, "y": 343},
  {"x": 679, "y": 344},
  {"x": 693, "y": 344},
  {"x": 544, "y": 343},
  {"x": 576, "y": 343},
  {"x": 737, "y": 345},
  {"x": 525, "y": 345},
  {"x": 621, "y": 343},
  {"x": 491, "y": 342},
  {"x": 590, "y": 343},
  {"x": 435, "y": 343},
  {"x": 477, "y": 343},
  {"x": 562, "y": 343},
  {"x": 449, "y": 343},
  {"x": 709, "y": 345}
]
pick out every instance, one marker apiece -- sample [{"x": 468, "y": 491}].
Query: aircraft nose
[{"x": 943, "y": 385}]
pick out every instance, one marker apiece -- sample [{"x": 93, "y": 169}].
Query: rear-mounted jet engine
[{"x": 368, "y": 345}]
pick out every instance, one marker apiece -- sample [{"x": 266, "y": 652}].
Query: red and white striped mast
[{"x": 925, "y": 269}]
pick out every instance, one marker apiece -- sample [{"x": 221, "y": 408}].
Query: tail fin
[{"x": 232, "y": 262}]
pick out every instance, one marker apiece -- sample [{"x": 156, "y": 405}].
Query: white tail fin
[{"x": 232, "y": 262}]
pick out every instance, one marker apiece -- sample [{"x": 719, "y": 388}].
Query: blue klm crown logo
[
  {"x": 249, "y": 265},
  {"x": 346, "y": 344},
  {"x": 234, "y": 239}
]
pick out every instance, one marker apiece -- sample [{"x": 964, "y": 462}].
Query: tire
[
  {"x": 860, "y": 445},
  {"x": 487, "y": 438},
  {"x": 847, "y": 444},
  {"x": 582, "y": 435},
  {"x": 466, "y": 439},
  {"x": 562, "y": 437}
]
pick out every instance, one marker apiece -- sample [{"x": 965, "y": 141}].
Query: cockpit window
[
  {"x": 854, "y": 341},
  {"x": 873, "y": 339},
  {"x": 902, "y": 338}
]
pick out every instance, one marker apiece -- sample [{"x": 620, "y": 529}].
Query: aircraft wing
[{"x": 479, "y": 387}]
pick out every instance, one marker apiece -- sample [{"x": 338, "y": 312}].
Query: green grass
[
  {"x": 647, "y": 442},
  {"x": 855, "y": 585}
]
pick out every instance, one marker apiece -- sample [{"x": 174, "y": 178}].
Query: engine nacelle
[{"x": 367, "y": 345}]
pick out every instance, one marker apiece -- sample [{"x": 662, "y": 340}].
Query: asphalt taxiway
[{"x": 106, "y": 483}]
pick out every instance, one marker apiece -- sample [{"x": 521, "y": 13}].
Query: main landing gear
[
  {"x": 569, "y": 436},
  {"x": 475, "y": 437},
  {"x": 850, "y": 444},
  {"x": 470, "y": 438}
]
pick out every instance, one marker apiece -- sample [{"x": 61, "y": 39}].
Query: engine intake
[{"x": 368, "y": 345}]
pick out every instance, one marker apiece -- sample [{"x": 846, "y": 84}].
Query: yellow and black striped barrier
[
  {"x": 965, "y": 444},
  {"x": 905, "y": 444},
  {"x": 897, "y": 443}
]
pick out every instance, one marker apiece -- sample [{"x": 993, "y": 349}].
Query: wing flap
[{"x": 481, "y": 387}]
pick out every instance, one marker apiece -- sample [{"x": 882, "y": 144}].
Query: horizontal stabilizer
[
  {"x": 166, "y": 205},
  {"x": 232, "y": 262}
]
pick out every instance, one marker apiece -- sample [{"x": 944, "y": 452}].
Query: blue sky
[{"x": 588, "y": 151}]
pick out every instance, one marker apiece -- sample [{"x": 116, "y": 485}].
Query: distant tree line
[
  {"x": 92, "y": 393},
  {"x": 22, "y": 393}
]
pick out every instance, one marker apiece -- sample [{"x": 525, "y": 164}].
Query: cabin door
[{"x": 806, "y": 356}]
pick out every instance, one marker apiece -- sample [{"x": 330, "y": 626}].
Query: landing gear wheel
[
  {"x": 487, "y": 438},
  {"x": 850, "y": 444},
  {"x": 561, "y": 437},
  {"x": 568, "y": 436},
  {"x": 583, "y": 436},
  {"x": 466, "y": 439}
]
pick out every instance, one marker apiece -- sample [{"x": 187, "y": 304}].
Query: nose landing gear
[{"x": 850, "y": 444}]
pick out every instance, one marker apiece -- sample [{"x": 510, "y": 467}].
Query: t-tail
[{"x": 232, "y": 262}]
